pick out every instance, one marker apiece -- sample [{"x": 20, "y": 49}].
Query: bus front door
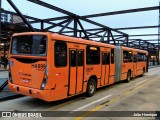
[
  {"x": 76, "y": 71},
  {"x": 105, "y": 68}
]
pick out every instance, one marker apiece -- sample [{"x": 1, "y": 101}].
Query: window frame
[
  {"x": 105, "y": 59},
  {"x": 66, "y": 58},
  {"x": 141, "y": 59},
  {"x": 40, "y": 55},
  {"x": 128, "y": 60},
  {"x": 87, "y": 55}
]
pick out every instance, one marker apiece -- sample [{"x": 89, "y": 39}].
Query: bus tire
[
  {"x": 143, "y": 72},
  {"x": 128, "y": 76},
  {"x": 91, "y": 87}
]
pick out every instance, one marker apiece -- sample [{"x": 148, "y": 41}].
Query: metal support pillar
[
  {"x": 139, "y": 45},
  {"x": 0, "y": 19},
  {"x": 127, "y": 41},
  {"x": 112, "y": 37},
  {"x": 80, "y": 34},
  {"x": 159, "y": 37},
  {"x": 102, "y": 38},
  {"x": 4, "y": 52},
  {"x": 42, "y": 25},
  {"x": 118, "y": 42},
  {"x": 75, "y": 27},
  {"x": 21, "y": 15},
  {"x": 108, "y": 37}
]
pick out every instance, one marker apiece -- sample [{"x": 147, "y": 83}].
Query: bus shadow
[
  {"x": 38, "y": 103},
  {"x": 42, "y": 105}
]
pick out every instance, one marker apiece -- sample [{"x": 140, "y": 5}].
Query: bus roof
[
  {"x": 57, "y": 36},
  {"x": 31, "y": 33},
  {"x": 80, "y": 40},
  {"x": 133, "y": 49}
]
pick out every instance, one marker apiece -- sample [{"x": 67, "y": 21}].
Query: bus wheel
[
  {"x": 91, "y": 87},
  {"x": 128, "y": 76},
  {"x": 143, "y": 73}
]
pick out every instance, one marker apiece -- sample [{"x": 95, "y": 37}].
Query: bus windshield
[{"x": 34, "y": 45}]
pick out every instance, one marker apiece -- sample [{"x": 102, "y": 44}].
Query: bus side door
[
  {"x": 76, "y": 71},
  {"x": 134, "y": 65},
  {"x": 105, "y": 69}
]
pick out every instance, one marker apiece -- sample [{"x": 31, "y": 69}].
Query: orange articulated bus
[{"x": 51, "y": 67}]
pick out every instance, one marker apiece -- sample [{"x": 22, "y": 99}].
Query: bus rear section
[{"x": 28, "y": 70}]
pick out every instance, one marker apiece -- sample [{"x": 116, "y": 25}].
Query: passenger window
[
  {"x": 127, "y": 56},
  {"x": 141, "y": 57},
  {"x": 92, "y": 55},
  {"x": 60, "y": 49}
]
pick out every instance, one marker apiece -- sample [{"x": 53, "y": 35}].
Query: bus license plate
[{"x": 25, "y": 80}]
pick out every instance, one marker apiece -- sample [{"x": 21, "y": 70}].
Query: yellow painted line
[{"x": 113, "y": 100}]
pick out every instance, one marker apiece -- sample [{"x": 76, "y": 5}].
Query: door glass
[
  {"x": 80, "y": 58},
  {"x": 135, "y": 58},
  {"x": 105, "y": 58},
  {"x": 73, "y": 58}
]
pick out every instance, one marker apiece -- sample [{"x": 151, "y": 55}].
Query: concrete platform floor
[{"x": 140, "y": 94}]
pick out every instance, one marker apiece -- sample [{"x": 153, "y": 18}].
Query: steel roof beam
[
  {"x": 145, "y": 39},
  {"x": 56, "y": 18},
  {"x": 60, "y": 23},
  {"x": 134, "y": 35},
  {"x": 126, "y": 28},
  {"x": 144, "y": 35},
  {"x": 44, "y": 4},
  {"x": 140, "y": 27},
  {"x": 36, "y": 19},
  {"x": 21, "y": 15},
  {"x": 13, "y": 13},
  {"x": 39, "y": 2},
  {"x": 61, "y": 30},
  {"x": 122, "y": 12},
  {"x": 100, "y": 25}
]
